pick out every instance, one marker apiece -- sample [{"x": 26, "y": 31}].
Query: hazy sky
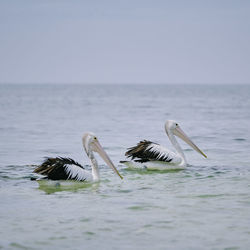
[{"x": 129, "y": 41}]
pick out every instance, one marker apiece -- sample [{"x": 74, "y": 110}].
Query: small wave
[{"x": 239, "y": 139}]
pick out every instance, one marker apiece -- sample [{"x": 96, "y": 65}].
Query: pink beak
[
  {"x": 180, "y": 133},
  {"x": 98, "y": 148}
]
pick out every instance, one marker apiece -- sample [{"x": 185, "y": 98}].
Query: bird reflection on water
[{"x": 50, "y": 187}]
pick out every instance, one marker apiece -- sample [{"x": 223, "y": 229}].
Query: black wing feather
[
  {"x": 143, "y": 153},
  {"x": 54, "y": 168}
]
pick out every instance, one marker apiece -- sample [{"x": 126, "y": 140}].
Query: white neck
[
  {"x": 95, "y": 169},
  {"x": 176, "y": 145}
]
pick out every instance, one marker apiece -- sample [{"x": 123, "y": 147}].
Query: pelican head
[
  {"x": 91, "y": 144},
  {"x": 172, "y": 127}
]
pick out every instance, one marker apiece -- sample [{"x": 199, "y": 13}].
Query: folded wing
[
  {"x": 149, "y": 151},
  {"x": 60, "y": 168}
]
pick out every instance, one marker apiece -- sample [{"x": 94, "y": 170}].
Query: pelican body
[
  {"x": 150, "y": 155},
  {"x": 60, "y": 168}
]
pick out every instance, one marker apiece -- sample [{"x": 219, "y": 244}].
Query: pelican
[
  {"x": 60, "y": 168},
  {"x": 150, "y": 155}
]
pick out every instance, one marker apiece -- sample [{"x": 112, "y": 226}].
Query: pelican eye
[
  {"x": 176, "y": 124},
  {"x": 95, "y": 138}
]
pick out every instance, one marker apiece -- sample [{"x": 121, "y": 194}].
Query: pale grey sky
[{"x": 129, "y": 41}]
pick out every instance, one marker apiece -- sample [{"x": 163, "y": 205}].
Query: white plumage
[
  {"x": 150, "y": 155},
  {"x": 162, "y": 152},
  {"x": 60, "y": 168},
  {"x": 76, "y": 173}
]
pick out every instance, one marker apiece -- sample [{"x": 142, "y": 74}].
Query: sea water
[{"x": 205, "y": 206}]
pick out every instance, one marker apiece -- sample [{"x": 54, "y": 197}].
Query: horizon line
[{"x": 125, "y": 83}]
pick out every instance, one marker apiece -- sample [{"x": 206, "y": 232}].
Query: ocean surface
[{"x": 205, "y": 206}]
